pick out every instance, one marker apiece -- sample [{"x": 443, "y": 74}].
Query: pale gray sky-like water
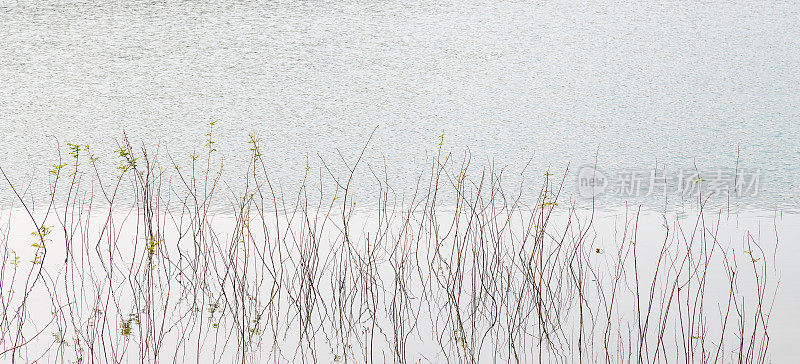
[
  {"x": 636, "y": 97},
  {"x": 639, "y": 85},
  {"x": 771, "y": 238}
]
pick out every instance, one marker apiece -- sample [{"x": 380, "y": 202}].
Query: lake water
[
  {"x": 91, "y": 298},
  {"x": 530, "y": 86},
  {"x": 659, "y": 103}
]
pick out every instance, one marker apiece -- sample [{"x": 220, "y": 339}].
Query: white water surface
[
  {"x": 771, "y": 237},
  {"x": 531, "y": 86}
]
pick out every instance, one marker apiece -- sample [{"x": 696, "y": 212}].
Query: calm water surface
[
  {"x": 529, "y": 86},
  {"x": 638, "y": 85}
]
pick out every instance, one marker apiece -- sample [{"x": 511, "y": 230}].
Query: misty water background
[
  {"x": 530, "y": 87},
  {"x": 525, "y": 85}
]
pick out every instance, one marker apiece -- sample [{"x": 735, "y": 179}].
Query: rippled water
[{"x": 638, "y": 85}]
